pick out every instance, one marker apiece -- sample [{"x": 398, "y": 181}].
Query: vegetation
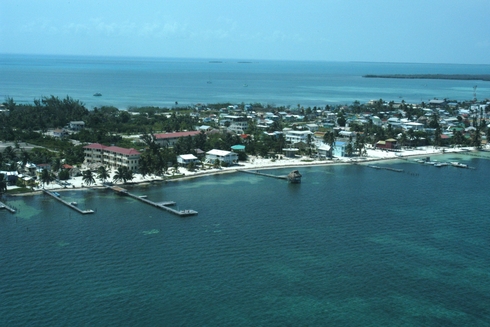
[{"x": 29, "y": 124}]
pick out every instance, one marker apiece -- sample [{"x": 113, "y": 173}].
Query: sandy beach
[{"x": 255, "y": 163}]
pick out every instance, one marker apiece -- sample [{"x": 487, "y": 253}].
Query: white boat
[{"x": 458, "y": 164}]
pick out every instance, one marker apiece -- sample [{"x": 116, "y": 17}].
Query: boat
[
  {"x": 440, "y": 164},
  {"x": 56, "y": 194},
  {"x": 97, "y": 94},
  {"x": 73, "y": 203},
  {"x": 294, "y": 177},
  {"x": 459, "y": 165}
]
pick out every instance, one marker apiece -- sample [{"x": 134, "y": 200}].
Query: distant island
[{"x": 463, "y": 77}]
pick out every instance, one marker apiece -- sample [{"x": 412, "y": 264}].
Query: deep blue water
[
  {"x": 350, "y": 246},
  {"x": 125, "y": 82}
]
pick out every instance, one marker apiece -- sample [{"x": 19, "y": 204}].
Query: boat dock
[
  {"x": 6, "y": 207},
  {"x": 68, "y": 204},
  {"x": 386, "y": 168},
  {"x": 256, "y": 172},
  {"x": 161, "y": 205}
]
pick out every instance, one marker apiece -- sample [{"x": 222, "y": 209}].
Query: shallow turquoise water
[{"x": 350, "y": 246}]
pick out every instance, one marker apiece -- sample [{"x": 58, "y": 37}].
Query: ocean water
[
  {"x": 125, "y": 82},
  {"x": 349, "y": 246}
]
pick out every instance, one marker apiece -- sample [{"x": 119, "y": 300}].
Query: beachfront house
[
  {"x": 186, "y": 159},
  {"x": 227, "y": 157},
  {"x": 339, "y": 149},
  {"x": 324, "y": 151},
  {"x": 388, "y": 144},
  {"x": 111, "y": 156},
  {"x": 169, "y": 139}
]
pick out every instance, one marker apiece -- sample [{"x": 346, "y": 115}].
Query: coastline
[{"x": 255, "y": 163}]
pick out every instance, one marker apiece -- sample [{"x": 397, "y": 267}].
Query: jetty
[
  {"x": 6, "y": 207},
  {"x": 256, "y": 172},
  {"x": 386, "y": 168},
  {"x": 71, "y": 205},
  {"x": 160, "y": 205}
]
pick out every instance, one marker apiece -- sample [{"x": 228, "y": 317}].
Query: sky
[{"x": 415, "y": 31}]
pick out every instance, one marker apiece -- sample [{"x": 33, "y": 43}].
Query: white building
[
  {"x": 112, "y": 156},
  {"x": 297, "y": 136},
  {"x": 223, "y": 156},
  {"x": 185, "y": 159},
  {"x": 237, "y": 124}
]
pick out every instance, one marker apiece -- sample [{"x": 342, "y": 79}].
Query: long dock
[
  {"x": 6, "y": 207},
  {"x": 68, "y": 204},
  {"x": 256, "y": 172},
  {"x": 386, "y": 168},
  {"x": 161, "y": 205}
]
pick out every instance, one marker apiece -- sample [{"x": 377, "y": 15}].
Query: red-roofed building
[
  {"x": 111, "y": 156},
  {"x": 169, "y": 139}
]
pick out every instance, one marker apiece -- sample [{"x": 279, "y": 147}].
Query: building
[
  {"x": 236, "y": 124},
  {"x": 76, "y": 125},
  {"x": 388, "y": 144},
  {"x": 185, "y": 159},
  {"x": 294, "y": 137},
  {"x": 111, "y": 156},
  {"x": 228, "y": 157},
  {"x": 169, "y": 139}
]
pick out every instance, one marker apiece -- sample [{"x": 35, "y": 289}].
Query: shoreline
[{"x": 255, "y": 163}]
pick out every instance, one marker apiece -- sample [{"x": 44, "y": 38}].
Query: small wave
[{"x": 150, "y": 232}]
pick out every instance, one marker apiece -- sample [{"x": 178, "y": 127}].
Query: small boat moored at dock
[{"x": 458, "y": 164}]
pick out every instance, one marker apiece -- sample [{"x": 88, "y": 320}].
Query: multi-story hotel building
[{"x": 111, "y": 156}]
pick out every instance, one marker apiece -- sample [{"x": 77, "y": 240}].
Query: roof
[
  {"x": 163, "y": 136},
  {"x": 120, "y": 150},
  {"x": 188, "y": 156},
  {"x": 220, "y": 153},
  {"x": 95, "y": 146},
  {"x": 115, "y": 149}
]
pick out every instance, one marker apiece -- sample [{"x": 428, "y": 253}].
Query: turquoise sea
[
  {"x": 125, "y": 82},
  {"x": 349, "y": 246}
]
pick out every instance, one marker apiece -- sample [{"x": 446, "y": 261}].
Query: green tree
[
  {"x": 103, "y": 174},
  {"x": 88, "y": 177},
  {"x": 3, "y": 184},
  {"x": 46, "y": 177},
  {"x": 123, "y": 174}
]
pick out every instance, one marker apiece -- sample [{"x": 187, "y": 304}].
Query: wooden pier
[
  {"x": 386, "y": 168},
  {"x": 256, "y": 172},
  {"x": 161, "y": 205},
  {"x": 68, "y": 204},
  {"x": 6, "y": 207}
]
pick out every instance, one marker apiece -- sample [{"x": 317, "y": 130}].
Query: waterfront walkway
[
  {"x": 160, "y": 205},
  {"x": 68, "y": 204}
]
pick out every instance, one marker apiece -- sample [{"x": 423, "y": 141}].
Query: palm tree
[
  {"x": 103, "y": 174},
  {"x": 123, "y": 174},
  {"x": 46, "y": 177},
  {"x": 56, "y": 164},
  {"x": 3, "y": 184},
  {"x": 119, "y": 175},
  {"x": 88, "y": 178},
  {"x": 25, "y": 157}
]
